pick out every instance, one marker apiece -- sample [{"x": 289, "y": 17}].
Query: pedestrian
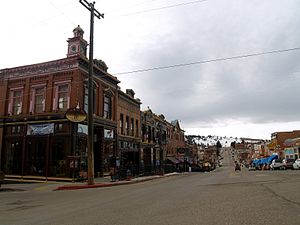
[
  {"x": 128, "y": 174},
  {"x": 112, "y": 174}
]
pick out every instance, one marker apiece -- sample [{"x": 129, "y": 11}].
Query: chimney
[{"x": 130, "y": 92}]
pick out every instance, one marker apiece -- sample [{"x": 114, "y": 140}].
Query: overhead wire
[
  {"x": 184, "y": 64},
  {"x": 163, "y": 7},
  {"x": 208, "y": 61},
  {"x": 130, "y": 6}
]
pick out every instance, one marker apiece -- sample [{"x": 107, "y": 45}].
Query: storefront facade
[
  {"x": 36, "y": 138},
  {"x": 129, "y": 140}
]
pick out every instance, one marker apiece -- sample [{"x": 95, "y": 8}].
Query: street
[{"x": 219, "y": 197}]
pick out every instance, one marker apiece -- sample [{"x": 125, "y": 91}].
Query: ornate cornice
[{"x": 59, "y": 65}]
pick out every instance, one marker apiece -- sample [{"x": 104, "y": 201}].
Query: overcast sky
[{"x": 243, "y": 97}]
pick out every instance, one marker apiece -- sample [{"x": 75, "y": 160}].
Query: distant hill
[{"x": 212, "y": 140}]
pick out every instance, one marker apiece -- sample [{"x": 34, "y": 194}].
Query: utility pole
[{"x": 94, "y": 12}]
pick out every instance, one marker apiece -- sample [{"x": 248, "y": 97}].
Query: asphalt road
[{"x": 219, "y": 197}]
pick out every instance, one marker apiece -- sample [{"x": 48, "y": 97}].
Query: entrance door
[
  {"x": 13, "y": 157},
  {"x": 36, "y": 156}
]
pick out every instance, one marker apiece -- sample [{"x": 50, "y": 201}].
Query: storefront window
[
  {"x": 58, "y": 163},
  {"x": 36, "y": 156},
  {"x": 109, "y": 154},
  {"x": 62, "y": 128}
]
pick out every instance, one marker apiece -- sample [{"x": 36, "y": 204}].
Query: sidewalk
[{"x": 106, "y": 182}]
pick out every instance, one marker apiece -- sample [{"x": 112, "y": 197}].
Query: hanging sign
[
  {"x": 76, "y": 115},
  {"x": 109, "y": 134}
]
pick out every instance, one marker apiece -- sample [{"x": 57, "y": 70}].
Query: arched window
[
  {"x": 107, "y": 107},
  {"x": 107, "y": 103}
]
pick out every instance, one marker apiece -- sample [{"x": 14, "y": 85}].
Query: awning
[
  {"x": 173, "y": 160},
  {"x": 190, "y": 161}
]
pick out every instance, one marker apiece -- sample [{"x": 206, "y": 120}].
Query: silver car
[{"x": 296, "y": 164}]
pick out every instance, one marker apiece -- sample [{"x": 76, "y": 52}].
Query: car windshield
[{"x": 290, "y": 160}]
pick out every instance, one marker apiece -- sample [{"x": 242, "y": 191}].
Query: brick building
[
  {"x": 129, "y": 134},
  {"x": 154, "y": 141},
  {"x": 278, "y": 139},
  {"x": 36, "y": 138},
  {"x": 176, "y": 139}
]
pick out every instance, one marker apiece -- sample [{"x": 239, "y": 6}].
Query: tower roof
[{"x": 78, "y": 31}]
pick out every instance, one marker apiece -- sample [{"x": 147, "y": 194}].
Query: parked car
[
  {"x": 251, "y": 168},
  {"x": 296, "y": 164},
  {"x": 277, "y": 164},
  {"x": 206, "y": 167},
  {"x": 288, "y": 163}
]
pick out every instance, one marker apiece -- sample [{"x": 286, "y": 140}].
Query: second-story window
[
  {"x": 127, "y": 125},
  {"x": 15, "y": 102},
  {"x": 107, "y": 107},
  {"x": 61, "y": 100},
  {"x": 132, "y": 127},
  {"x": 121, "y": 123},
  {"x": 63, "y": 97},
  {"x": 86, "y": 99},
  {"x": 37, "y": 103},
  {"x": 136, "y": 128}
]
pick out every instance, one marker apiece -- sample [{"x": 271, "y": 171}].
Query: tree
[
  {"x": 219, "y": 146},
  {"x": 233, "y": 144}
]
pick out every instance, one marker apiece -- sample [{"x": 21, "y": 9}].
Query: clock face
[{"x": 73, "y": 48}]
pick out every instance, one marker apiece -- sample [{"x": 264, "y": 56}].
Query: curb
[{"x": 118, "y": 183}]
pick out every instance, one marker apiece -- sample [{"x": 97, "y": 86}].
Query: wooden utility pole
[{"x": 94, "y": 12}]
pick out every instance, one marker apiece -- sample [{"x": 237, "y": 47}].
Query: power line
[
  {"x": 130, "y": 6},
  {"x": 209, "y": 61},
  {"x": 164, "y": 7}
]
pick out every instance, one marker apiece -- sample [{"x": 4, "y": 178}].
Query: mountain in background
[{"x": 211, "y": 140}]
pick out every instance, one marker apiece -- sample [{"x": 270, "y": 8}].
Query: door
[{"x": 36, "y": 156}]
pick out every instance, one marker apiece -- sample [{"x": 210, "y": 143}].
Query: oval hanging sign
[{"x": 76, "y": 115}]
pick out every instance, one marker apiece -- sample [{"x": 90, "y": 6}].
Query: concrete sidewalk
[{"x": 106, "y": 182}]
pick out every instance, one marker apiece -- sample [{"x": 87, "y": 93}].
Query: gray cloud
[{"x": 257, "y": 89}]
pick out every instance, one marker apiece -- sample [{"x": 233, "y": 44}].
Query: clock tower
[{"x": 77, "y": 45}]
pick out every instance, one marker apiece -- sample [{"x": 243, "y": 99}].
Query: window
[
  {"x": 132, "y": 127},
  {"x": 62, "y": 128},
  {"x": 63, "y": 94},
  {"x": 136, "y": 128},
  {"x": 86, "y": 99},
  {"x": 61, "y": 100},
  {"x": 37, "y": 103},
  {"x": 121, "y": 123},
  {"x": 16, "y": 129},
  {"x": 15, "y": 102},
  {"x": 127, "y": 125},
  {"x": 107, "y": 107}
]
